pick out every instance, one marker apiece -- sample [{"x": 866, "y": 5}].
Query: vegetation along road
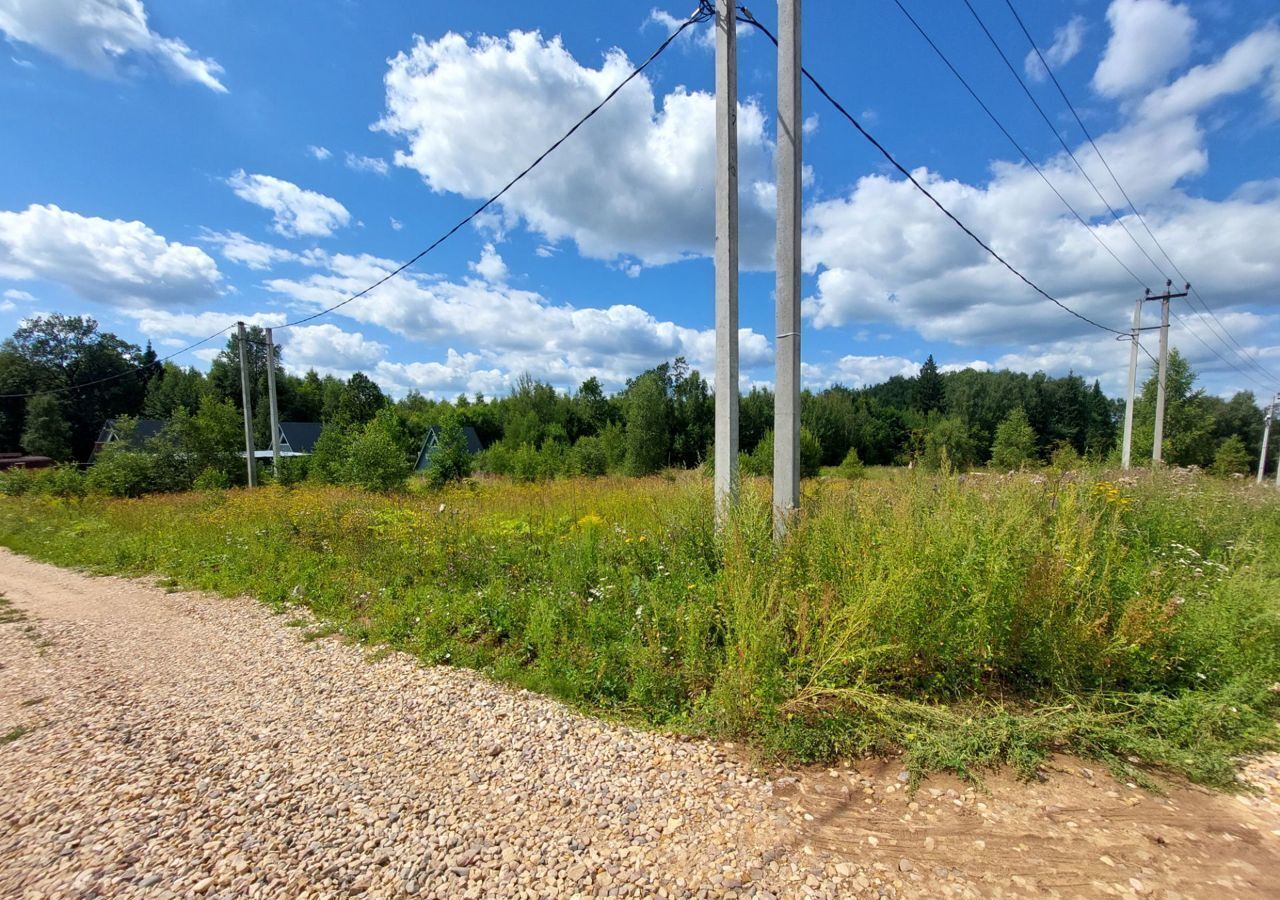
[{"x": 160, "y": 743}]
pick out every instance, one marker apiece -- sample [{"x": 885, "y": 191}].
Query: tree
[
  {"x": 947, "y": 440},
  {"x": 451, "y": 460},
  {"x": 56, "y": 351},
  {"x": 359, "y": 401},
  {"x": 930, "y": 389},
  {"x": 1188, "y": 421},
  {"x": 1015, "y": 443},
  {"x": 47, "y": 432},
  {"x": 1232, "y": 457},
  {"x": 647, "y": 433}
]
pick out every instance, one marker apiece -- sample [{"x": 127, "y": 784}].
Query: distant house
[
  {"x": 432, "y": 440},
  {"x": 110, "y": 434},
  {"x": 296, "y": 439}
]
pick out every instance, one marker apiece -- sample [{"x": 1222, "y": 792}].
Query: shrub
[
  {"x": 65, "y": 481},
  {"x": 293, "y": 470},
  {"x": 948, "y": 443},
  {"x": 588, "y": 457},
  {"x": 851, "y": 467},
  {"x": 212, "y": 480},
  {"x": 16, "y": 482},
  {"x": 375, "y": 461},
  {"x": 1065, "y": 458},
  {"x": 451, "y": 459},
  {"x": 122, "y": 473},
  {"x": 1015, "y": 444},
  {"x": 1232, "y": 457}
]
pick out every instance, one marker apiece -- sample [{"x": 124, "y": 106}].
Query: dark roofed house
[
  {"x": 143, "y": 430},
  {"x": 23, "y": 461},
  {"x": 433, "y": 437},
  {"x": 296, "y": 439}
]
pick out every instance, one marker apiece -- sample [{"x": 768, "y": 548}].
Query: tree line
[{"x": 661, "y": 418}]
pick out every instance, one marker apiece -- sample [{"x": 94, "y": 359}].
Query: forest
[{"x": 662, "y": 418}]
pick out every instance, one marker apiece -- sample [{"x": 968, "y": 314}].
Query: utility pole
[
  {"x": 726, "y": 449},
  {"x": 275, "y": 410},
  {"x": 248, "y": 409},
  {"x": 786, "y": 409},
  {"x": 1266, "y": 437},
  {"x": 1126, "y": 451},
  {"x": 1157, "y": 444}
]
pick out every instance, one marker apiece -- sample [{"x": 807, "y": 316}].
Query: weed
[{"x": 13, "y": 734}]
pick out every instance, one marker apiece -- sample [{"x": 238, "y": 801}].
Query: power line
[
  {"x": 1240, "y": 351},
  {"x": 991, "y": 115},
  {"x": 1061, "y": 140},
  {"x": 133, "y": 371},
  {"x": 704, "y": 12},
  {"x": 750, "y": 19}
]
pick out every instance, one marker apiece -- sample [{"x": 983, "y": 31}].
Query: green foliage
[
  {"x": 451, "y": 460},
  {"x": 1015, "y": 444},
  {"x": 948, "y": 443},
  {"x": 851, "y": 466},
  {"x": 120, "y": 472},
  {"x": 588, "y": 457},
  {"x": 1188, "y": 421},
  {"x": 374, "y": 459},
  {"x": 47, "y": 431},
  {"x": 930, "y": 389},
  {"x": 647, "y": 435},
  {"x": 810, "y": 454},
  {"x": 211, "y": 479},
  {"x": 1232, "y": 457},
  {"x": 964, "y": 623}
]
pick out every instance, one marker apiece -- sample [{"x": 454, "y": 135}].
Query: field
[{"x": 964, "y": 621}]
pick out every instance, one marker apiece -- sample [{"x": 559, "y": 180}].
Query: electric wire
[
  {"x": 704, "y": 11},
  {"x": 1026, "y": 156},
  {"x": 747, "y": 17},
  {"x": 1240, "y": 349}
]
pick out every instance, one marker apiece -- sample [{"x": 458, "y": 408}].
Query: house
[
  {"x": 296, "y": 439},
  {"x": 433, "y": 436},
  {"x": 144, "y": 430},
  {"x": 19, "y": 461}
]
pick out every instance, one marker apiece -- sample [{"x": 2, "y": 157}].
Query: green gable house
[{"x": 433, "y": 436}]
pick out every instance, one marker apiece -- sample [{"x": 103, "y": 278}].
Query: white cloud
[
  {"x": 857, "y": 371},
  {"x": 18, "y": 296},
  {"x": 103, "y": 37},
  {"x": 320, "y": 153},
  {"x": 357, "y": 163},
  {"x": 246, "y": 251},
  {"x": 330, "y": 350},
  {"x": 296, "y": 211},
  {"x": 636, "y": 180},
  {"x": 109, "y": 261},
  {"x": 513, "y": 330},
  {"x": 396, "y": 224},
  {"x": 196, "y": 325},
  {"x": 1249, "y": 62},
  {"x": 1067, "y": 42},
  {"x": 702, "y": 35},
  {"x": 810, "y": 125},
  {"x": 490, "y": 266},
  {"x": 1149, "y": 39}
]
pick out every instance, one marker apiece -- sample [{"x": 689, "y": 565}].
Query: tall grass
[{"x": 964, "y": 621}]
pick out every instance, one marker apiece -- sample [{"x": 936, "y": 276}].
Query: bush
[
  {"x": 451, "y": 459},
  {"x": 1065, "y": 458},
  {"x": 1015, "y": 443},
  {"x": 1232, "y": 457},
  {"x": 16, "y": 482},
  {"x": 588, "y": 457},
  {"x": 947, "y": 444},
  {"x": 65, "y": 481},
  {"x": 122, "y": 473},
  {"x": 212, "y": 480},
  {"x": 374, "y": 461},
  {"x": 293, "y": 470},
  {"x": 851, "y": 467}
]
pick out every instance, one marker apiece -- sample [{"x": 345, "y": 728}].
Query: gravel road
[{"x": 167, "y": 744}]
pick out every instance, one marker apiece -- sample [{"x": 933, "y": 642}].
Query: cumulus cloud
[
  {"x": 638, "y": 179},
  {"x": 373, "y": 164},
  {"x": 1149, "y": 39},
  {"x": 857, "y": 371},
  {"x": 196, "y": 325},
  {"x": 296, "y": 211},
  {"x": 320, "y": 153},
  {"x": 883, "y": 254},
  {"x": 245, "y": 250},
  {"x": 103, "y": 37},
  {"x": 512, "y": 330},
  {"x": 490, "y": 266},
  {"x": 1067, "y": 42},
  {"x": 18, "y": 296},
  {"x": 330, "y": 350},
  {"x": 109, "y": 261}
]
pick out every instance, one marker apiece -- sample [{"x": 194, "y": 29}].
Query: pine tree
[
  {"x": 930, "y": 390},
  {"x": 1015, "y": 444}
]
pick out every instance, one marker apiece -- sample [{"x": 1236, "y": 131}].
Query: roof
[
  {"x": 18, "y": 461},
  {"x": 144, "y": 430},
  {"x": 433, "y": 433},
  {"x": 301, "y": 436}
]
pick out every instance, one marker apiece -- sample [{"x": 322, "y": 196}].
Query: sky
[{"x": 173, "y": 166}]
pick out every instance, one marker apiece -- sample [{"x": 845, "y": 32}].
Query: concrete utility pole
[
  {"x": 726, "y": 449},
  {"x": 1157, "y": 444},
  {"x": 1266, "y": 437},
  {"x": 1126, "y": 447},
  {"x": 248, "y": 409},
  {"x": 271, "y": 399},
  {"x": 786, "y": 402}
]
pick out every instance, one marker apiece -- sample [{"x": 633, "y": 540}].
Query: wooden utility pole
[
  {"x": 275, "y": 410},
  {"x": 1157, "y": 444},
  {"x": 726, "y": 253},
  {"x": 1126, "y": 447},
  {"x": 248, "y": 408},
  {"x": 786, "y": 401}
]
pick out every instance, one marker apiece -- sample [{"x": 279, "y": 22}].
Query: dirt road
[{"x": 173, "y": 744}]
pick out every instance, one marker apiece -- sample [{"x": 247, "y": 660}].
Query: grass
[
  {"x": 13, "y": 734},
  {"x": 966, "y": 622}
]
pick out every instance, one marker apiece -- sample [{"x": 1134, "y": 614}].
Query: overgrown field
[{"x": 966, "y": 621}]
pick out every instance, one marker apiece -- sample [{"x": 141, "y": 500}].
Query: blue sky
[{"x": 174, "y": 166}]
